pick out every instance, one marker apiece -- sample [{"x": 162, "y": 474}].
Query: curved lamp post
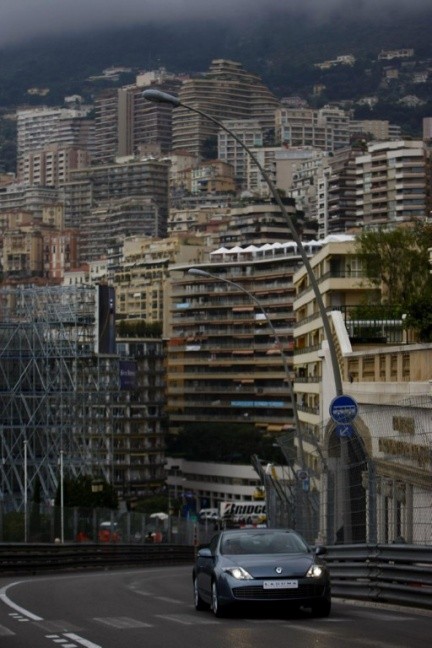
[{"x": 157, "y": 96}]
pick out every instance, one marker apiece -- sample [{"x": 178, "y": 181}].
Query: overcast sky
[{"x": 21, "y": 20}]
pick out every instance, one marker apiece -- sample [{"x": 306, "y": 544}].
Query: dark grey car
[{"x": 260, "y": 566}]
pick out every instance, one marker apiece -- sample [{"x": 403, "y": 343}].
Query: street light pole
[
  {"x": 157, "y": 96},
  {"x": 25, "y": 492},
  {"x": 61, "y": 497}
]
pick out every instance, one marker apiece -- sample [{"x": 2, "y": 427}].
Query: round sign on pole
[{"x": 343, "y": 409}]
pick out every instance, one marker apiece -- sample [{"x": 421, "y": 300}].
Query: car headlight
[
  {"x": 314, "y": 571},
  {"x": 239, "y": 573}
]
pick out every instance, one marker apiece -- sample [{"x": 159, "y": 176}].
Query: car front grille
[{"x": 258, "y": 593}]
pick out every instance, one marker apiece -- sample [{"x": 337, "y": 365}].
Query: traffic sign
[
  {"x": 343, "y": 409},
  {"x": 344, "y": 430}
]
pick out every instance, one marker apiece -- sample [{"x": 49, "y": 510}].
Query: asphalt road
[{"x": 153, "y": 607}]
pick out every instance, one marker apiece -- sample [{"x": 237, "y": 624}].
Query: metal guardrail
[
  {"x": 37, "y": 558},
  {"x": 399, "y": 574}
]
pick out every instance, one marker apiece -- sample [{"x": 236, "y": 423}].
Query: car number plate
[{"x": 280, "y": 584}]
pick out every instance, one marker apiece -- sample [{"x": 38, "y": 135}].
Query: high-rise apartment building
[
  {"x": 293, "y": 170},
  {"x": 106, "y": 126},
  {"x": 225, "y": 92},
  {"x": 38, "y": 128},
  {"x": 128, "y": 124},
  {"x": 393, "y": 182},
  {"x": 111, "y": 221},
  {"x": 212, "y": 176},
  {"x": 336, "y": 194},
  {"x": 257, "y": 224},
  {"x": 50, "y": 166},
  {"x": 250, "y": 132},
  {"x": 129, "y": 178},
  {"x": 142, "y": 278},
  {"x": 225, "y": 353},
  {"x": 327, "y": 128},
  {"x": 34, "y": 199}
]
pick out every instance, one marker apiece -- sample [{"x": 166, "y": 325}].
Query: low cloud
[{"x": 22, "y": 20}]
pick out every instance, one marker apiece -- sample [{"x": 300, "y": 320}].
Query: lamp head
[
  {"x": 156, "y": 96},
  {"x": 198, "y": 271}
]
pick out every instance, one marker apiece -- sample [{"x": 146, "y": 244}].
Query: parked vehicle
[
  {"x": 208, "y": 514},
  {"x": 258, "y": 566}
]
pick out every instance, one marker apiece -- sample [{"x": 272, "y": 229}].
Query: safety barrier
[
  {"x": 399, "y": 574},
  {"x": 36, "y": 558}
]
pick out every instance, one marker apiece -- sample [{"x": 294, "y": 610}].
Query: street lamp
[
  {"x": 157, "y": 96},
  {"x": 25, "y": 491},
  {"x": 62, "y": 497}
]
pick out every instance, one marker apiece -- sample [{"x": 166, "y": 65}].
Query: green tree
[
  {"x": 397, "y": 261},
  {"x": 234, "y": 444},
  {"x": 79, "y": 491},
  {"x": 139, "y": 329}
]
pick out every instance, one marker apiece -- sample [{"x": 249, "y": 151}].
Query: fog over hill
[
  {"x": 58, "y": 45},
  {"x": 21, "y": 20}
]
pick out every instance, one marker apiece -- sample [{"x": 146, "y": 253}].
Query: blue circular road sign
[{"x": 343, "y": 409}]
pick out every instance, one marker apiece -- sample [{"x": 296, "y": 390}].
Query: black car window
[
  {"x": 232, "y": 546},
  {"x": 286, "y": 543}
]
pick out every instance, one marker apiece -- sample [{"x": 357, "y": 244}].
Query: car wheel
[
  {"x": 321, "y": 608},
  {"x": 217, "y": 609},
  {"x": 199, "y": 603}
]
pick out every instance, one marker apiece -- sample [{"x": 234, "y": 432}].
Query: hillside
[{"x": 282, "y": 48}]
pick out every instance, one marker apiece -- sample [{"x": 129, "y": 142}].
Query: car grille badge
[{"x": 278, "y": 570}]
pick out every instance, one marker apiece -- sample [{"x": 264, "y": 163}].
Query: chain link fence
[
  {"x": 372, "y": 484},
  {"x": 81, "y": 525}
]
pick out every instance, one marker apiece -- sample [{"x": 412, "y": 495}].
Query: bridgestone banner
[{"x": 241, "y": 509}]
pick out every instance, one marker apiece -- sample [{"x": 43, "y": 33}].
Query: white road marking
[
  {"x": 381, "y": 615},
  {"x": 122, "y": 622},
  {"x": 6, "y": 600},
  {"x": 166, "y": 599},
  {"x": 5, "y": 632},
  {"x": 305, "y": 628},
  {"x": 81, "y": 641},
  {"x": 187, "y": 619},
  {"x": 60, "y": 640},
  {"x": 34, "y": 617}
]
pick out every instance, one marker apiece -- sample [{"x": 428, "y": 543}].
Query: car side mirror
[
  {"x": 204, "y": 552},
  {"x": 320, "y": 550}
]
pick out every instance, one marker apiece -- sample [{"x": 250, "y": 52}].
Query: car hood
[{"x": 292, "y": 565}]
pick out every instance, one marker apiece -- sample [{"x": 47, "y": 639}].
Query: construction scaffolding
[{"x": 55, "y": 390}]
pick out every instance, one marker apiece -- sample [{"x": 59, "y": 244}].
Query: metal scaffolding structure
[{"x": 55, "y": 390}]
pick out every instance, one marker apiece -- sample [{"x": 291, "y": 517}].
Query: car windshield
[{"x": 262, "y": 543}]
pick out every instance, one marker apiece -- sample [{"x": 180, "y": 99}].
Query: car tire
[
  {"x": 321, "y": 608},
  {"x": 216, "y": 607},
  {"x": 199, "y": 603}
]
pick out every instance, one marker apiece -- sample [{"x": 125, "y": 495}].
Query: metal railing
[
  {"x": 400, "y": 574},
  {"x": 37, "y": 558}
]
